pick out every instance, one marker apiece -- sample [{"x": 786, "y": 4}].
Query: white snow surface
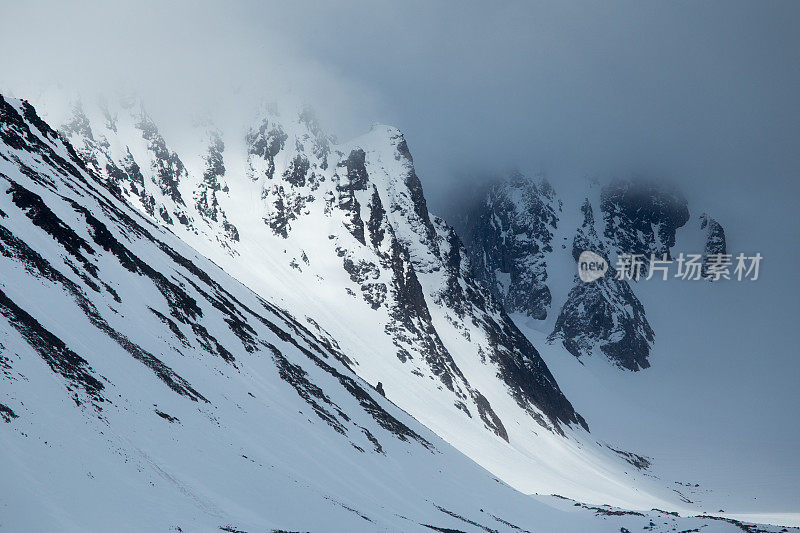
[{"x": 232, "y": 443}]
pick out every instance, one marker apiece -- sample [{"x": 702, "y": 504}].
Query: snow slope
[
  {"x": 339, "y": 233},
  {"x": 143, "y": 388}
]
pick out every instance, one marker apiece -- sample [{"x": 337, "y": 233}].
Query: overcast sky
[{"x": 701, "y": 91}]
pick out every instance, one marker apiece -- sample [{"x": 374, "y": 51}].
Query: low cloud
[{"x": 706, "y": 93}]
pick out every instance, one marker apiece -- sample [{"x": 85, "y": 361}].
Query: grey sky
[
  {"x": 705, "y": 90},
  {"x": 699, "y": 90}
]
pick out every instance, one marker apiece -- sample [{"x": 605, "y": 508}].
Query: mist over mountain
[{"x": 315, "y": 267}]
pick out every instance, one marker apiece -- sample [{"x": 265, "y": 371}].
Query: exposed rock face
[
  {"x": 519, "y": 364},
  {"x": 167, "y": 166},
  {"x": 511, "y": 241},
  {"x": 715, "y": 239},
  {"x": 603, "y": 314},
  {"x": 123, "y": 177},
  {"x": 207, "y": 203},
  {"x": 642, "y": 216},
  {"x": 354, "y": 179},
  {"x": 512, "y": 232},
  {"x": 265, "y": 142}
]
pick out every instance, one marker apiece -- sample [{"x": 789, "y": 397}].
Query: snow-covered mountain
[
  {"x": 136, "y": 370},
  {"x": 341, "y": 234},
  {"x": 700, "y": 341}
]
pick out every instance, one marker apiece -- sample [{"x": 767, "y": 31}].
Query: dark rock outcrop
[
  {"x": 512, "y": 232},
  {"x": 604, "y": 313},
  {"x": 715, "y": 241},
  {"x": 207, "y": 203},
  {"x": 641, "y": 216}
]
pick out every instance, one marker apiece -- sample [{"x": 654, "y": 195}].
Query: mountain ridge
[{"x": 162, "y": 361}]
